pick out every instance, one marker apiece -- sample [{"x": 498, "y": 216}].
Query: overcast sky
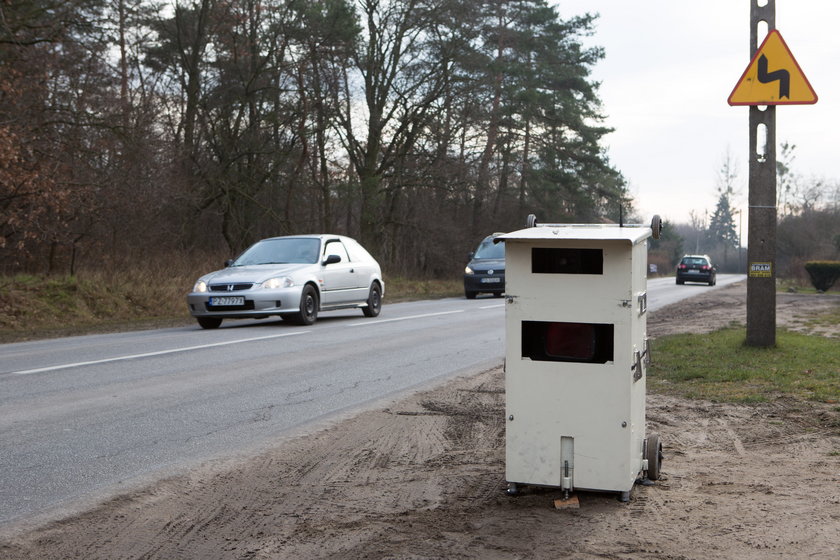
[{"x": 669, "y": 69}]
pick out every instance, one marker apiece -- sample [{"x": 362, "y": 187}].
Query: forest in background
[{"x": 134, "y": 130}]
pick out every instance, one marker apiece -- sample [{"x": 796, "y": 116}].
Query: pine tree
[
  {"x": 721, "y": 233},
  {"x": 722, "y": 230}
]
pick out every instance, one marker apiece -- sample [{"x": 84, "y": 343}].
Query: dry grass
[
  {"x": 48, "y": 306},
  {"x": 406, "y": 289},
  {"x": 133, "y": 298}
]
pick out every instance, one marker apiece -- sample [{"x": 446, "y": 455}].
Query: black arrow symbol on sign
[{"x": 766, "y": 77}]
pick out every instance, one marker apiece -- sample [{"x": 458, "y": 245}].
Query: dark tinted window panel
[
  {"x": 547, "y": 260},
  {"x": 548, "y": 341}
]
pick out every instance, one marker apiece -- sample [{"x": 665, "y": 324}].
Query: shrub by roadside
[{"x": 823, "y": 274}]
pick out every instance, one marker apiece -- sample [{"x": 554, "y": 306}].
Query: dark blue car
[{"x": 485, "y": 272}]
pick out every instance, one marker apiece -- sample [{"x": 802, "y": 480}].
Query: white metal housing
[{"x": 576, "y": 347}]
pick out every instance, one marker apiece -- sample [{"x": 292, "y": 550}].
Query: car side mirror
[
  {"x": 470, "y": 255},
  {"x": 332, "y": 259},
  {"x": 228, "y": 262}
]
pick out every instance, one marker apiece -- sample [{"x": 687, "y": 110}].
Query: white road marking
[
  {"x": 238, "y": 341},
  {"x": 150, "y": 354},
  {"x": 379, "y": 322}
]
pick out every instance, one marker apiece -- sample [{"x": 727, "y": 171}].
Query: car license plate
[
  {"x": 490, "y": 280},
  {"x": 692, "y": 271},
  {"x": 227, "y": 300}
]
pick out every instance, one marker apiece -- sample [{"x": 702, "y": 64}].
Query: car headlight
[
  {"x": 200, "y": 286},
  {"x": 274, "y": 283},
  {"x": 468, "y": 270}
]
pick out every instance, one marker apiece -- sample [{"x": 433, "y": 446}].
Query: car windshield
[
  {"x": 490, "y": 250},
  {"x": 281, "y": 251}
]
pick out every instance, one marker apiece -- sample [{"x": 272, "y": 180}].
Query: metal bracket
[{"x": 640, "y": 361}]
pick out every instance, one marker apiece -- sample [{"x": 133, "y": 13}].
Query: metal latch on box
[{"x": 640, "y": 361}]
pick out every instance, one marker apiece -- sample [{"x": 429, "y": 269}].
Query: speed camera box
[{"x": 576, "y": 307}]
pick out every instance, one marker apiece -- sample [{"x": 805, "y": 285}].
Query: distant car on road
[
  {"x": 696, "y": 268},
  {"x": 294, "y": 277},
  {"x": 485, "y": 273}
]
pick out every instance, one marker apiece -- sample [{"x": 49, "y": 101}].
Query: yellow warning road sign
[{"x": 773, "y": 77}]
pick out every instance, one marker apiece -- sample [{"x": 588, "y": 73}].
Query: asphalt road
[
  {"x": 664, "y": 291},
  {"x": 82, "y": 418}
]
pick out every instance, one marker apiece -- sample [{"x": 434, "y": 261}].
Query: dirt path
[{"x": 424, "y": 479}]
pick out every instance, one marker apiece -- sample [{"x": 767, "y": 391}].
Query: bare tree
[{"x": 399, "y": 87}]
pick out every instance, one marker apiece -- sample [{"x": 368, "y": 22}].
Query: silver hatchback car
[{"x": 294, "y": 277}]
